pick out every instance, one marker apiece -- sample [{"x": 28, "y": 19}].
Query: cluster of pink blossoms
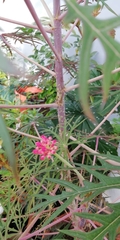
[{"x": 46, "y": 147}]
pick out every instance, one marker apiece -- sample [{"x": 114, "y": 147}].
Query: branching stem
[
  {"x": 27, "y": 58},
  {"x": 38, "y": 23}
]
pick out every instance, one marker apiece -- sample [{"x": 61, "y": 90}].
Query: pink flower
[{"x": 46, "y": 147}]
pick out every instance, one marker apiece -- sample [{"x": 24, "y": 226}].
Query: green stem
[{"x": 69, "y": 165}]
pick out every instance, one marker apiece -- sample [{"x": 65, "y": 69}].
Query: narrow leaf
[
  {"x": 109, "y": 8},
  {"x": 93, "y": 28},
  {"x": 83, "y": 75},
  {"x": 109, "y": 224},
  {"x": 51, "y": 199},
  {"x": 93, "y": 188},
  {"x": 59, "y": 210},
  {"x": 4, "y": 134}
]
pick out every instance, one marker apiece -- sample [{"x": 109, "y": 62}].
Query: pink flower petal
[{"x": 46, "y": 147}]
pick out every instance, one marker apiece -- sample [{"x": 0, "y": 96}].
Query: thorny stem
[
  {"x": 59, "y": 66},
  {"x": 38, "y": 23}
]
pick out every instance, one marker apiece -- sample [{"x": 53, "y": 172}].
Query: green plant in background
[
  {"x": 7, "y": 66},
  {"x": 57, "y": 193},
  {"x": 116, "y": 125},
  {"x": 93, "y": 28},
  {"x": 49, "y": 92}
]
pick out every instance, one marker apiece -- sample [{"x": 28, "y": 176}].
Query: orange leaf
[
  {"x": 33, "y": 90},
  {"x": 20, "y": 96}
]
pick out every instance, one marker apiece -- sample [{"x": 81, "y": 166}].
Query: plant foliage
[
  {"x": 60, "y": 196},
  {"x": 109, "y": 225},
  {"x": 92, "y": 28}
]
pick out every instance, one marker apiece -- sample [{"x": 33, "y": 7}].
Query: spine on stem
[{"x": 59, "y": 65}]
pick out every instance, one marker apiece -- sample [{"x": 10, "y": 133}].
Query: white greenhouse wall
[{"x": 105, "y": 14}]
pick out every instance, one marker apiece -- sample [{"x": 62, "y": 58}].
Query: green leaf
[
  {"x": 93, "y": 27},
  {"x": 83, "y": 74},
  {"x": 109, "y": 8},
  {"x": 104, "y": 165},
  {"x": 93, "y": 188},
  {"x": 4, "y": 134},
  {"x": 109, "y": 225},
  {"x": 51, "y": 199},
  {"x": 59, "y": 210}
]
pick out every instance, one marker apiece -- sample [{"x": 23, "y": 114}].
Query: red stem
[
  {"x": 59, "y": 65},
  {"x": 24, "y": 24},
  {"x": 61, "y": 219},
  {"x": 38, "y": 23}
]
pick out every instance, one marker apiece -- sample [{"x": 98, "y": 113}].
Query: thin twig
[
  {"x": 83, "y": 161},
  {"x": 25, "y": 57},
  {"x": 60, "y": 18},
  {"x": 27, "y": 230},
  {"x": 75, "y": 150},
  {"x": 81, "y": 178},
  {"x": 23, "y": 134},
  {"x": 38, "y": 23},
  {"x": 36, "y": 130},
  {"x": 54, "y": 223},
  {"x": 94, "y": 158},
  {"x": 69, "y": 32},
  {"x": 105, "y": 118},
  {"x": 91, "y": 80},
  {"x": 52, "y": 105},
  {"x": 98, "y": 126},
  {"x": 112, "y": 162},
  {"x": 24, "y": 24}
]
